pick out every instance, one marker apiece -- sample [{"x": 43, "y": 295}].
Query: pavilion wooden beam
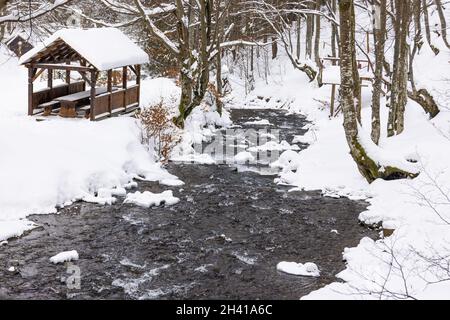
[
  {"x": 93, "y": 85},
  {"x": 124, "y": 85},
  {"x": 109, "y": 89},
  {"x": 138, "y": 82},
  {"x": 85, "y": 78},
  {"x": 62, "y": 67},
  {"x": 133, "y": 69},
  {"x": 124, "y": 77},
  {"x": 68, "y": 74},
  {"x": 38, "y": 74},
  {"x": 31, "y": 74},
  {"x": 50, "y": 78}
]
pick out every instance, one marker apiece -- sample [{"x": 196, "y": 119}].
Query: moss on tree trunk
[{"x": 369, "y": 168}]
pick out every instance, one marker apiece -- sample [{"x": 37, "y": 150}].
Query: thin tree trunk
[
  {"x": 426, "y": 18},
  {"x": 334, "y": 33},
  {"x": 399, "y": 88},
  {"x": 299, "y": 36},
  {"x": 380, "y": 39},
  {"x": 317, "y": 42},
  {"x": 317, "y": 36},
  {"x": 274, "y": 48},
  {"x": 440, "y": 10},
  {"x": 366, "y": 165},
  {"x": 309, "y": 36}
]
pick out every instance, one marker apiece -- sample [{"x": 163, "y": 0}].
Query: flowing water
[{"x": 223, "y": 240}]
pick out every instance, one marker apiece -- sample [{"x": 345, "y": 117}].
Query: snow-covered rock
[
  {"x": 308, "y": 269},
  {"x": 64, "y": 257},
  {"x": 149, "y": 199},
  {"x": 243, "y": 157}
]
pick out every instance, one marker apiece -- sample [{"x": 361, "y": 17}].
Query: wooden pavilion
[{"x": 88, "y": 52}]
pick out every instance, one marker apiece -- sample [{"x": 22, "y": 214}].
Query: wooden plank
[
  {"x": 124, "y": 84},
  {"x": 38, "y": 74},
  {"x": 93, "y": 83},
  {"x": 68, "y": 74},
  {"x": 109, "y": 89},
  {"x": 333, "y": 98},
  {"x": 133, "y": 69},
  {"x": 50, "y": 78},
  {"x": 31, "y": 74},
  {"x": 62, "y": 67},
  {"x": 81, "y": 95},
  {"x": 138, "y": 83},
  {"x": 124, "y": 77}
]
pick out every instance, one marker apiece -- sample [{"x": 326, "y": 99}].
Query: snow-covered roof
[
  {"x": 13, "y": 36},
  {"x": 104, "y": 48}
]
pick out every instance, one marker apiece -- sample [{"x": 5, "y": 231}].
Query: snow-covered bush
[{"x": 158, "y": 131}]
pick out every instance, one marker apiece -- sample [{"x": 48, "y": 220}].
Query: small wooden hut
[
  {"x": 88, "y": 52},
  {"x": 19, "y": 44}
]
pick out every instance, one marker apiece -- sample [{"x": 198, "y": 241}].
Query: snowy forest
[{"x": 225, "y": 149}]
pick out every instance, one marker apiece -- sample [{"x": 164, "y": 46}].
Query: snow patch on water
[
  {"x": 308, "y": 269},
  {"x": 64, "y": 257},
  {"x": 149, "y": 199}
]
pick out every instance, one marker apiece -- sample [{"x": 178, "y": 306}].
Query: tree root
[
  {"x": 371, "y": 171},
  {"x": 426, "y": 101}
]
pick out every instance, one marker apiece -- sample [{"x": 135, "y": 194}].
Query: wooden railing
[
  {"x": 48, "y": 94},
  {"x": 119, "y": 100}
]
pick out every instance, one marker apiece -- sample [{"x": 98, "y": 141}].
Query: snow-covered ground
[{"x": 413, "y": 261}]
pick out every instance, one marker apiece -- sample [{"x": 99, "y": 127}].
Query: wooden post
[
  {"x": 124, "y": 77},
  {"x": 109, "y": 88},
  {"x": 93, "y": 84},
  {"x": 30, "y": 90},
  {"x": 138, "y": 82},
  {"x": 124, "y": 85},
  {"x": 333, "y": 97},
  {"x": 50, "y": 78},
  {"x": 359, "y": 106},
  {"x": 368, "y": 41},
  {"x": 83, "y": 74},
  {"x": 68, "y": 74}
]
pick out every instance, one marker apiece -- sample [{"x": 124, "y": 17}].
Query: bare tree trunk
[
  {"x": 193, "y": 92},
  {"x": 367, "y": 166},
  {"x": 426, "y": 18},
  {"x": 317, "y": 42},
  {"x": 219, "y": 84},
  {"x": 440, "y": 10},
  {"x": 317, "y": 36},
  {"x": 309, "y": 36},
  {"x": 421, "y": 96},
  {"x": 299, "y": 36},
  {"x": 334, "y": 33},
  {"x": 274, "y": 48},
  {"x": 399, "y": 93},
  {"x": 380, "y": 40},
  {"x": 426, "y": 101}
]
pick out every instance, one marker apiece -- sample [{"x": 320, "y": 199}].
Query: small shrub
[{"x": 158, "y": 131}]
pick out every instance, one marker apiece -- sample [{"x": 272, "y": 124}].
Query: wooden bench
[
  {"x": 87, "y": 110},
  {"x": 49, "y": 106},
  {"x": 71, "y": 101}
]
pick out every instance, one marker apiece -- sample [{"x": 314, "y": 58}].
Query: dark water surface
[{"x": 222, "y": 240}]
